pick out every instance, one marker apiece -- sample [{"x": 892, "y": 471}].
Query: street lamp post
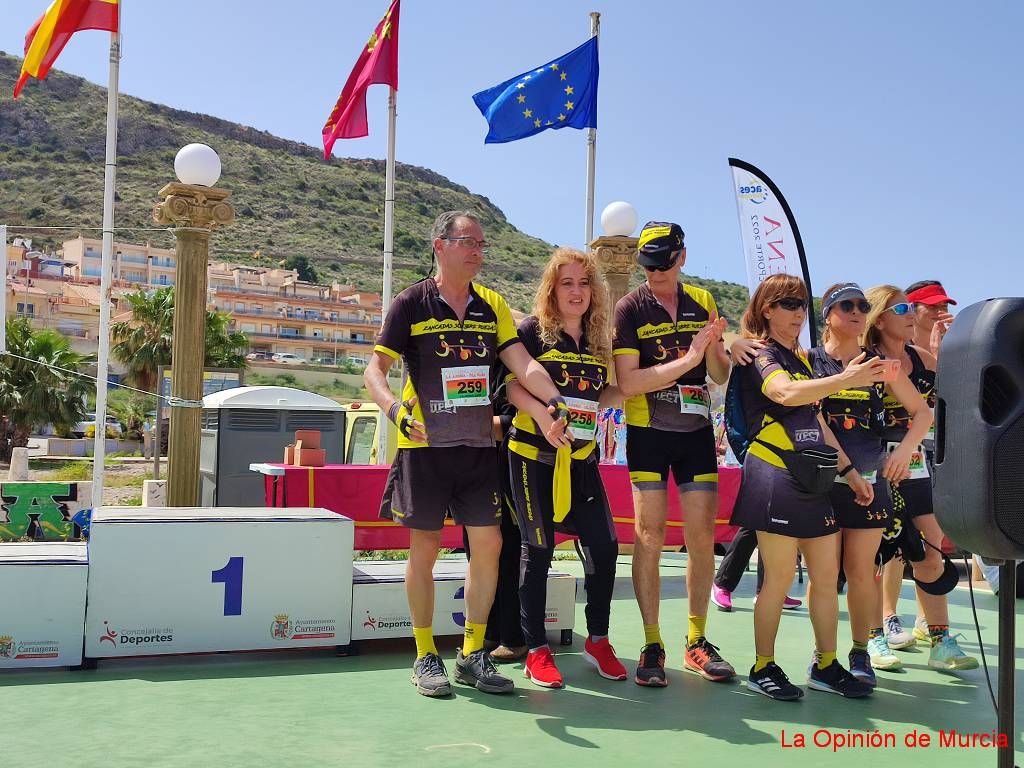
[
  {"x": 193, "y": 207},
  {"x": 616, "y": 248}
]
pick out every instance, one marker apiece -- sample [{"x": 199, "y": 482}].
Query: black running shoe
[
  {"x": 835, "y": 679},
  {"x": 650, "y": 671},
  {"x": 773, "y": 683},
  {"x": 479, "y": 671}
]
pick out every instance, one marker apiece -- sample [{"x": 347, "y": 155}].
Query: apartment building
[{"x": 134, "y": 265}]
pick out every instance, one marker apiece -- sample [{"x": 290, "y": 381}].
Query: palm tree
[
  {"x": 39, "y": 386},
  {"x": 144, "y": 342}
]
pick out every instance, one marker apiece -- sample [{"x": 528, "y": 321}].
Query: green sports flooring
[{"x": 312, "y": 709}]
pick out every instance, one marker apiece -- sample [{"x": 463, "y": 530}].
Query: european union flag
[{"x": 561, "y": 94}]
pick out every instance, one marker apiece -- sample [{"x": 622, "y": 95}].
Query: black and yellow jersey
[
  {"x": 580, "y": 378},
  {"x": 897, "y": 418},
  {"x": 643, "y": 327},
  {"x": 786, "y": 427},
  {"x": 449, "y": 361},
  {"x": 855, "y": 415}
]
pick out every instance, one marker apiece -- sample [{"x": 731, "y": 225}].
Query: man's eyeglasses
[
  {"x": 847, "y": 306},
  {"x": 791, "y": 304},
  {"x": 903, "y": 308},
  {"x": 469, "y": 242},
  {"x": 664, "y": 267}
]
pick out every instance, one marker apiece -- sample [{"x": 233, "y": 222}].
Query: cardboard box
[
  {"x": 309, "y": 457},
  {"x": 289, "y": 454},
  {"x": 309, "y": 438}
]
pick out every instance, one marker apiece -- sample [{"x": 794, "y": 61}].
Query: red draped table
[{"x": 355, "y": 491}]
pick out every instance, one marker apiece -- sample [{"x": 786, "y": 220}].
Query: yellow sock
[
  {"x": 652, "y": 634},
  {"x": 424, "y": 641},
  {"x": 762, "y": 662},
  {"x": 474, "y": 638},
  {"x": 825, "y": 658},
  {"x": 696, "y": 629}
]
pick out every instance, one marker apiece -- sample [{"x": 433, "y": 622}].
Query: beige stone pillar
[
  {"x": 616, "y": 257},
  {"x": 193, "y": 211}
]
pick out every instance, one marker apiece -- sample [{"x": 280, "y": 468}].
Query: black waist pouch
[{"x": 813, "y": 468}]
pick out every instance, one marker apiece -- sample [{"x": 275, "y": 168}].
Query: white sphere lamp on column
[
  {"x": 618, "y": 219},
  {"x": 197, "y": 165}
]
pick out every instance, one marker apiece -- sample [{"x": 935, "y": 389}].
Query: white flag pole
[
  {"x": 389, "y": 251},
  {"x": 3, "y": 290},
  {"x": 595, "y": 28},
  {"x": 109, "y": 173}
]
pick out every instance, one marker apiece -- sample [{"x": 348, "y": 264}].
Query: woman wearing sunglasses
[
  {"x": 856, "y": 417},
  {"x": 789, "y": 511},
  {"x": 890, "y": 328}
]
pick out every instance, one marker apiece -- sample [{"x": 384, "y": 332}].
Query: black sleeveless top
[{"x": 897, "y": 419}]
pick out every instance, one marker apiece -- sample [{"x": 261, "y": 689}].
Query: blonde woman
[
  {"x": 890, "y": 329},
  {"x": 561, "y": 489}
]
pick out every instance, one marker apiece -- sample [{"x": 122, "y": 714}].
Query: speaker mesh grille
[
  {"x": 1008, "y": 463},
  {"x": 998, "y": 395}
]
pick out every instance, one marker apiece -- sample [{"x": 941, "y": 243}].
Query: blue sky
[{"x": 893, "y": 129}]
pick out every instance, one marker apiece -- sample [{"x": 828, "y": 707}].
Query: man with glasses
[
  {"x": 668, "y": 339},
  {"x": 932, "y": 317},
  {"x": 451, "y": 333}
]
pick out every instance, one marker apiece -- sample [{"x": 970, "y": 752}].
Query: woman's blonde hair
[
  {"x": 772, "y": 289},
  {"x": 879, "y": 298},
  {"x": 596, "y": 322}
]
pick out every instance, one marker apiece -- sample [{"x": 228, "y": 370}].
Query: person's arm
[
  {"x": 942, "y": 324},
  {"x": 375, "y": 377},
  {"x": 715, "y": 356},
  {"x": 634, "y": 380},
  {"x": 611, "y": 397},
  {"x": 863, "y": 491},
  {"x": 540, "y": 413},
  {"x": 782, "y": 389},
  {"x": 743, "y": 351},
  {"x": 532, "y": 376},
  {"x": 897, "y": 465}
]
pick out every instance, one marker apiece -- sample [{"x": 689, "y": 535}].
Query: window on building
[{"x": 239, "y": 306}]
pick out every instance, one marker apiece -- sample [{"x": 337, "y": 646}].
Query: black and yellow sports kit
[
  {"x": 856, "y": 417},
  {"x": 770, "y": 498},
  {"x": 669, "y": 428},
  {"x": 580, "y": 378},
  {"x": 449, "y": 364},
  {"x": 914, "y": 493}
]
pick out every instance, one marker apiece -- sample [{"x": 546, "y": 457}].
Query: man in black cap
[{"x": 668, "y": 339}]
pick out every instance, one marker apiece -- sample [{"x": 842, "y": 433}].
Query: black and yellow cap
[{"x": 658, "y": 241}]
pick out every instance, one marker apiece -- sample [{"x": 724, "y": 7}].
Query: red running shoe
[
  {"x": 540, "y": 668},
  {"x": 602, "y": 655}
]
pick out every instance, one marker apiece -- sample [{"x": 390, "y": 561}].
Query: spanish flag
[{"x": 51, "y": 33}]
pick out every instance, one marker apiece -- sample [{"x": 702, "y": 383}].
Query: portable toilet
[{"x": 249, "y": 425}]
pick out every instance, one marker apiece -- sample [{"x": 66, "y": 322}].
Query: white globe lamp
[
  {"x": 618, "y": 219},
  {"x": 197, "y": 165}
]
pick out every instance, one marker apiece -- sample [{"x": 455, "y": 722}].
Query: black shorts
[
  {"x": 913, "y": 498},
  {"x": 426, "y": 484},
  {"x": 771, "y": 500},
  {"x": 691, "y": 456},
  {"x": 589, "y": 516},
  {"x": 852, "y": 515}
]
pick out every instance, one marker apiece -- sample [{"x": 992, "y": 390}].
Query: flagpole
[
  {"x": 103, "y": 352},
  {"x": 595, "y": 28},
  {"x": 389, "y": 251},
  {"x": 3, "y": 291}
]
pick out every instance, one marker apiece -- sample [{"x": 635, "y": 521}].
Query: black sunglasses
[
  {"x": 791, "y": 304},
  {"x": 664, "y": 267},
  {"x": 847, "y": 305}
]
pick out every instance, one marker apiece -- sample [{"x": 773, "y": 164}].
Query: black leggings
[
  {"x": 589, "y": 519},
  {"x": 736, "y": 560}
]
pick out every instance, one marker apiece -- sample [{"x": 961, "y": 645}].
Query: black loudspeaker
[{"x": 979, "y": 440}]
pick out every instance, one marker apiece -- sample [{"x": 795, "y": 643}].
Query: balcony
[
  {"x": 303, "y": 337},
  {"x": 133, "y": 259}
]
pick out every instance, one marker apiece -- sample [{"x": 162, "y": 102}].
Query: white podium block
[
  {"x": 42, "y": 604},
  {"x": 185, "y": 580},
  {"x": 380, "y": 608}
]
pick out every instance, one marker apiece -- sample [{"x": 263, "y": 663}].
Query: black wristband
[
  {"x": 561, "y": 409},
  {"x": 847, "y": 470}
]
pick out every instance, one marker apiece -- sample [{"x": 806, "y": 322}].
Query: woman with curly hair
[{"x": 561, "y": 489}]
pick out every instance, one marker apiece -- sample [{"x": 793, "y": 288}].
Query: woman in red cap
[{"x": 931, "y": 315}]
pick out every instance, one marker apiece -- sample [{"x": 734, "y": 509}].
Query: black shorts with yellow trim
[
  {"x": 850, "y": 514},
  {"x": 425, "y": 485},
  {"x": 651, "y": 453}
]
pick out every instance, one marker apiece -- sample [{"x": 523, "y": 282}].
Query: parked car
[
  {"x": 287, "y": 358},
  {"x": 258, "y": 356},
  {"x": 79, "y": 429}
]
